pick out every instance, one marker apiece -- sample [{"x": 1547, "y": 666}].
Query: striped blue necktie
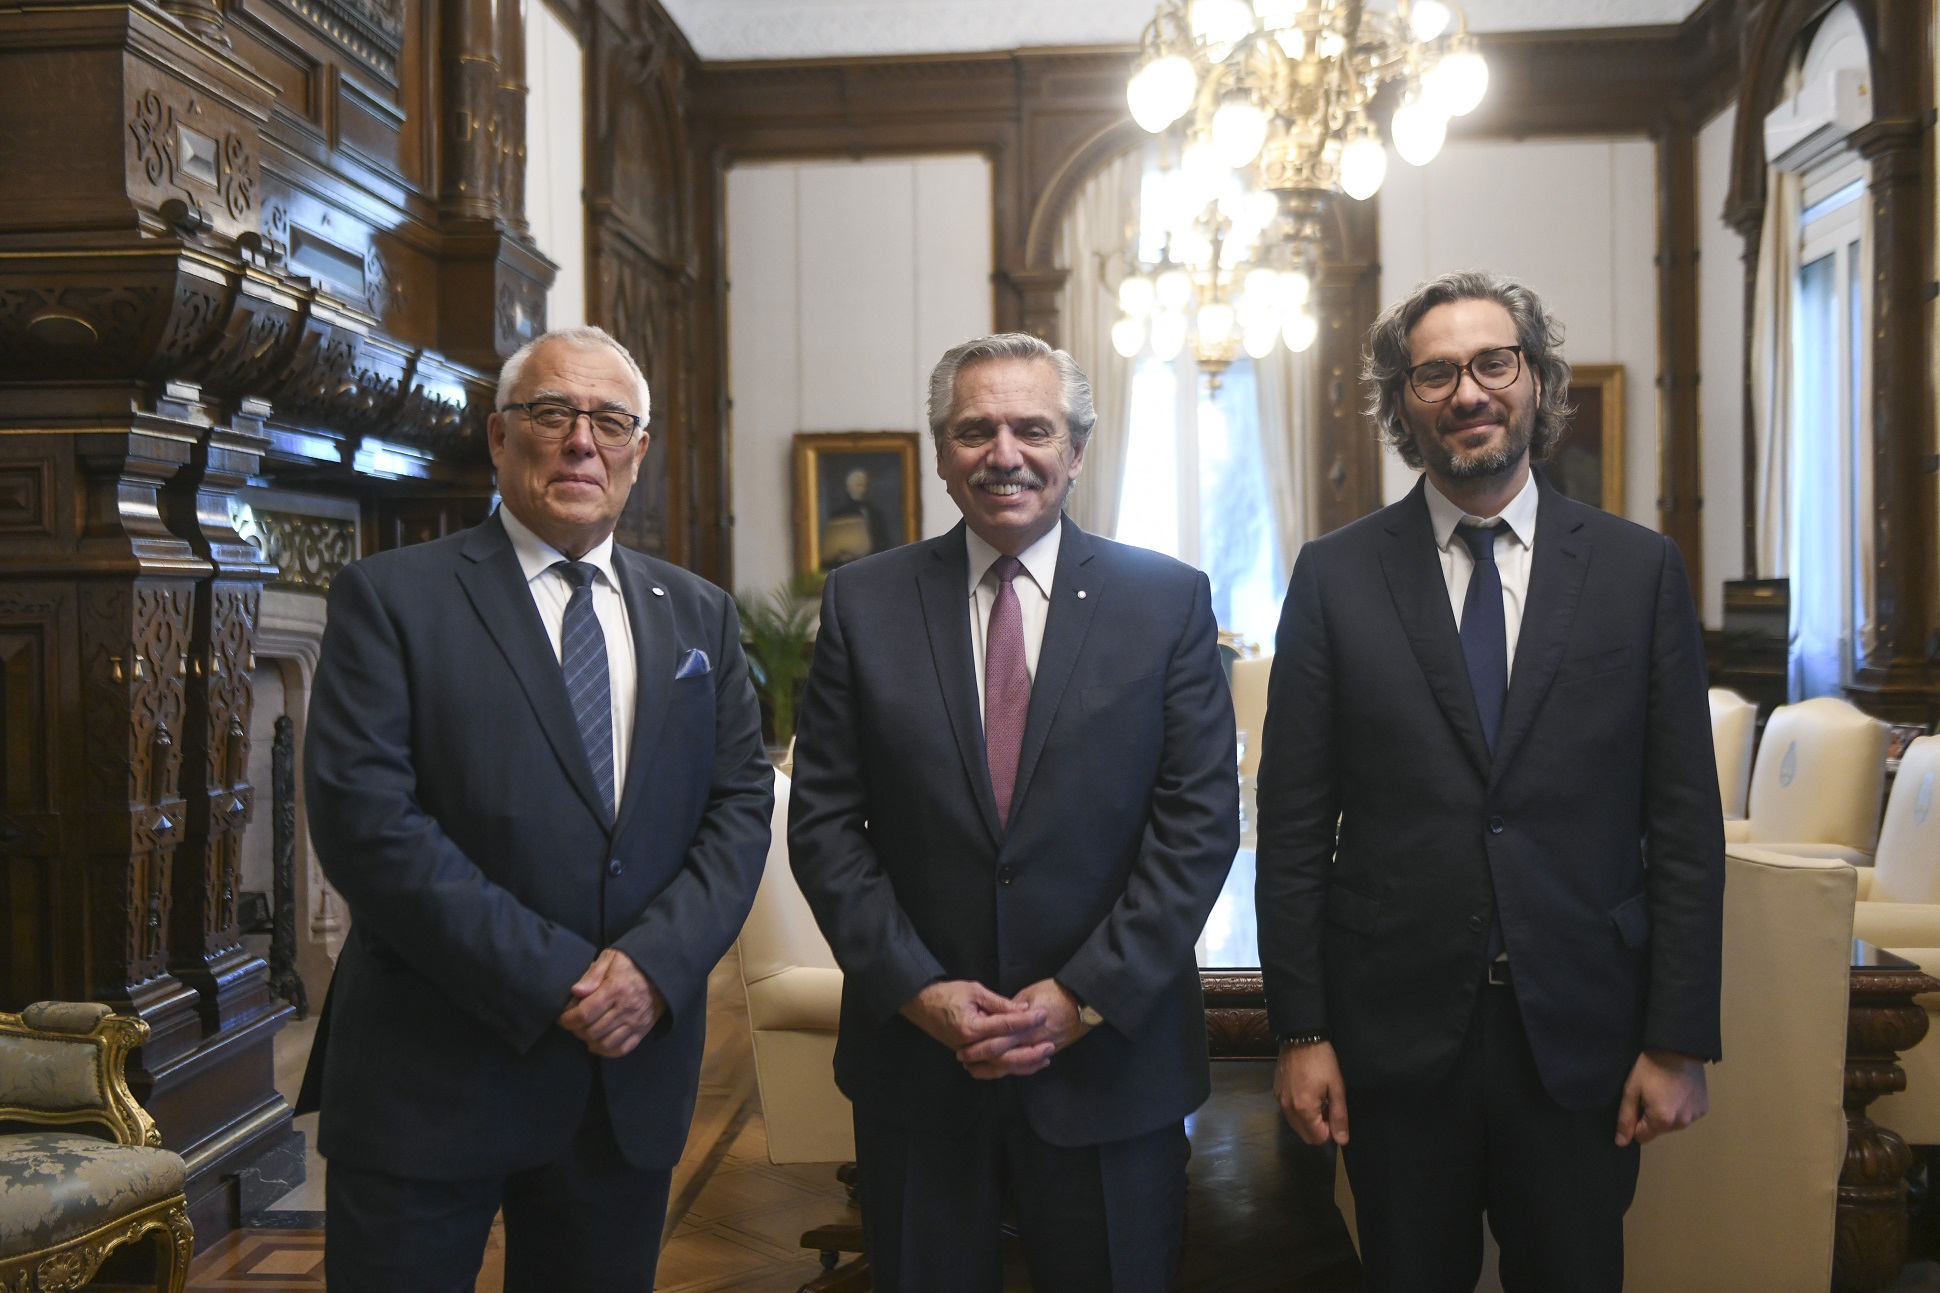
[{"x": 582, "y": 657}]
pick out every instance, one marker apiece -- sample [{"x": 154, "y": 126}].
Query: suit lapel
[
  {"x": 1066, "y": 622},
  {"x": 1421, "y": 600},
  {"x": 1558, "y": 565},
  {"x": 650, "y": 621},
  {"x": 943, "y": 586},
  {"x": 496, "y": 585}
]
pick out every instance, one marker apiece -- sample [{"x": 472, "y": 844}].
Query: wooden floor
[{"x": 1260, "y": 1212}]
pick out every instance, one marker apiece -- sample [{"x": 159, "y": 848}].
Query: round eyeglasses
[
  {"x": 551, "y": 421},
  {"x": 1492, "y": 370}
]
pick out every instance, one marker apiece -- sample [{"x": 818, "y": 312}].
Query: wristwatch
[{"x": 1302, "y": 1039}]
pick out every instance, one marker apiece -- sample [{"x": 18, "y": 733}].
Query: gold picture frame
[
  {"x": 856, "y": 493},
  {"x": 1587, "y": 465}
]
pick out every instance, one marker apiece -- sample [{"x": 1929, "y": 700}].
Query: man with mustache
[
  {"x": 1014, "y": 804},
  {"x": 1491, "y": 856}
]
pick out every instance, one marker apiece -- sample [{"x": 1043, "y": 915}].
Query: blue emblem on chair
[{"x": 1790, "y": 768}]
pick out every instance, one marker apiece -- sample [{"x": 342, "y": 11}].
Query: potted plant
[{"x": 778, "y": 634}]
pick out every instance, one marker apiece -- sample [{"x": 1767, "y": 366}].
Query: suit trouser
[
  {"x": 1093, "y": 1219},
  {"x": 1427, "y": 1162},
  {"x": 588, "y": 1221}
]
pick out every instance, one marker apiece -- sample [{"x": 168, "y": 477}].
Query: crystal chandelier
[{"x": 1269, "y": 102}]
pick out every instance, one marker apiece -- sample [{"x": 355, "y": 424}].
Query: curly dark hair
[{"x": 1384, "y": 365}]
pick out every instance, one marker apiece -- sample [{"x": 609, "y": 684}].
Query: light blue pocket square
[{"x": 693, "y": 664}]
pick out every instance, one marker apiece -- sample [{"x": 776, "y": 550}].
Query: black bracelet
[{"x": 1302, "y": 1039}]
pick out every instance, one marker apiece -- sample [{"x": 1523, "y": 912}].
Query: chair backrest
[
  {"x": 1249, "y": 679},
  {"x": 65, "y": 1063},
  {"x": 1746, "y": 1198},
  {"x": 781, "y": 933},
  {"x": 1734, "y": 729},
  {"x": 1907, "y": 867},
  {"x": 1820, "y": 770}
]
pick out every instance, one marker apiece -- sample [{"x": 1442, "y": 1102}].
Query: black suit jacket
[
  {"x": 1123, "y": 824},
  {"x": 452, "y": 805},
  {"x": 1595, "y": 827}
]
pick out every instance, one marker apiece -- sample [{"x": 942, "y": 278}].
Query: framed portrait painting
[
  {"x": 1588, "y": 464},
  {"x": 856, "y": 493}
]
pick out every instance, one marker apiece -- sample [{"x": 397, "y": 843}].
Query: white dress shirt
[
  {"x": 551, "y": 592},
  {"x": 1033, "y": 587},
  {"x": 1515, "y": 544}
]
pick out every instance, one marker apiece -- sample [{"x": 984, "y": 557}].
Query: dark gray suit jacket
[
  {"x": 1390, "y": 836},
  {"x": 1124, "y": 822},
  {"x": 452, "y": 805}
]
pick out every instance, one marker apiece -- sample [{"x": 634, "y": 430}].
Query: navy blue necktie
[
  {"x": 1485, "y": 639},
  {"x": 582, "y": 658}
]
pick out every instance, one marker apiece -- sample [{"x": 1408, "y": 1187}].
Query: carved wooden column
[
  {"x": 512, "y": 89},
  {"x": 1042, "y": 294},
  {"x": 1680, "y": 469},
  {"x": 1883, "y": 1019},
  {"x": 1346, "y": 461},
  {"x": 1899, "y": 679}
]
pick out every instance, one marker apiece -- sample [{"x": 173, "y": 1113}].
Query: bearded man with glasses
[
  {"x": 1491, "y": 850},
  {"x": 535, "y": 772}
]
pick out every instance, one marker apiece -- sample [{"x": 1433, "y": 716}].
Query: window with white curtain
[
  {"x": 1831, "y": 558},
  {"x": 1196, "y": 487},
  {"x": 555, "y": 165}
]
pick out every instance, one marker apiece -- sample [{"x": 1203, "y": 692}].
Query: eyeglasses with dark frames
[
  {"x": 1492, "y": 370},
  {"x": 554, "y": 421}
]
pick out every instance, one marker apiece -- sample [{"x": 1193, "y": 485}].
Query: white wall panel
[
  {"x": 1576, "y": 221},
  {"x": 847, "y": 281},
  {"x": 1721, "y": 359},
  {"x": 555, "y": 124}
]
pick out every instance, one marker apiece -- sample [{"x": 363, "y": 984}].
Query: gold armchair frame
[{"x": 71, "y": 1264}]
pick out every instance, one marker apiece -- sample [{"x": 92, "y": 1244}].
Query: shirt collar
[
  {"x": 1519, "y": 515},
  {"x": 1040, "y": 559},
  {"x": 536, "y": 556}
]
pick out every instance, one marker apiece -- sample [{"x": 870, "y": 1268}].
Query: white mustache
[{"x": 1017, "y": 476}]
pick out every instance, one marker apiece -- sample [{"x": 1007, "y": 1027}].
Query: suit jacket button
[
  {"x": 613, "y": 867},
  {"x": 1495, "y": 826},
  {"x": 1475, "y": 923},
  {"x": 1005, "y": 874}
]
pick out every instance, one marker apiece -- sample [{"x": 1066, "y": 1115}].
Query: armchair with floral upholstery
[{"x": 68, "y": 1195}]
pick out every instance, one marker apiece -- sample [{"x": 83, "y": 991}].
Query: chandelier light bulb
[
  {"x": 1221, "y": 24},
  {"x": 1457, "y": 82},
  {"x": 1428, "y": 19},
  {"x": 1330, "y": 44},
  {"x": 1418, "y": 129},
  {"x": 1173, "y": 290},
  {"x": 1168, "y": 334},
  {"x": 1293, "y": 42},
  {"x": 1259, "y": 340},
  {"x": 1302, "y": 328},
  {"x": 1162, "y": 91},
  {"x": 1363, "y": 166},
  {"x": 1278, "y": 15},
  {"x": 1238, "y": 131},
  {"x": 1128, "y": 336},
  {"x": 1263, "y": 285},
  {"x": 1135, "y": 296},
  {"x": 1215, "y": 323},
  {"x": 1295, "y": 288}
]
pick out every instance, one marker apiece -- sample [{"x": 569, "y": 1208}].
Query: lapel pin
[
  {"x": 1081, "y": 594},
  {"x": 659, "y": 592}
]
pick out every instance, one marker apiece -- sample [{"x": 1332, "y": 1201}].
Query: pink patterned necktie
[{"x": 1007, "y": 687}]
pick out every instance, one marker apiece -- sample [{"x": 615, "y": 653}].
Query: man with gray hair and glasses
[
  {"x": 535, "y": 772},
  {"x": 1491, "y": 851},
  {"x": 1014, "y": 804}
]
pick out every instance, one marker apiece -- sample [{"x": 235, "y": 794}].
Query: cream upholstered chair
[
  {"x": 1734, "y": 731},
  {"x": 68, "y": 1196},
  {"x": 1815, "y": 788},
  {"x": 794, "y": 1004},
  {"x": 1745, "y": 1201},
  {"x": 1249, "y": 679},
  {"x": 1899, "y": 909}
]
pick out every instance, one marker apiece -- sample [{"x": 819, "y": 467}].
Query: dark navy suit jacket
[
  {"x": 1124, "y": 822},
  {"x": 1390, "y": 836},
  {"x": 452, "y": 805}
]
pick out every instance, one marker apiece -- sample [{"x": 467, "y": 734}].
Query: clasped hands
[
  {"x": 996, "y": 1036},
  {"x": 1665, "y": 1092},
  {"x": 614, "y": 1005}
]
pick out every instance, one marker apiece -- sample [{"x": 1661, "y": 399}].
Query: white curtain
[
  {"x": 1102, "y": 223},
  {"x": 1284, "y": 380},
  {"x": 1771, "y": 371}
]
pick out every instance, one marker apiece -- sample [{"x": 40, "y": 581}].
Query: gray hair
[
  {"x": 1384, "y": 366},
  {"x": 1074, "y": 387},
  {"x": 583, "y": 337}
]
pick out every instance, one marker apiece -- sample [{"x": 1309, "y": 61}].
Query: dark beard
[{"x": 1485, "y": 463}]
